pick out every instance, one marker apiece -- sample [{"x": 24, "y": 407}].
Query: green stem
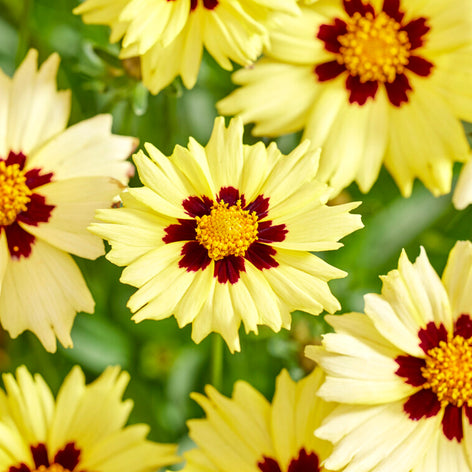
[
  {"x": 217, "y": 361},
  {"x": 24, "y": 32}
]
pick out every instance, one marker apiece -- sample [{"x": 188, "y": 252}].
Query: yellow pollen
[
  {"x": 51, "y": 468},
  {"x": 14, "y": 193},
  {"x": 227, "y": 230},
  {"x": 374, "y": 48},
  {"x": 448, "y": 371}
]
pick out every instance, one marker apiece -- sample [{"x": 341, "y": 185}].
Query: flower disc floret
[
  {"x": 374, "y": 48},
  {"x": 51, "y": 468},
  {"x": 448, "y": 371},
  {"x": 227, "y": 230},
  {"x": 14, "y": 193}
]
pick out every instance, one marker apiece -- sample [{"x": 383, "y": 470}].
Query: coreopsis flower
[
  {"x": 371, "y": 82},
  {"x": 83, "y": 430},
  {"x": 169, "y": 35},
  {"x": 220, "y": 234},
  {"x": 248, "y": 433},
  {"x": 52, "y": 181},
  {"x": 403, "y": 371}
]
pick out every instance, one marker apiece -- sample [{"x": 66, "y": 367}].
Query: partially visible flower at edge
[
  {"x": 404, "y": 371},
  {"x": 82, "y": 430},
  {"x": 52, "y": 181},
  {"x": 247, "y": 433},
  {"x": 370, "y": 83},
  {"x": 220, "y": 234},
  {"x": 169, "y": 36}
]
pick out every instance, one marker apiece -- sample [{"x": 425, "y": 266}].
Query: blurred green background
[{"x": 165, "y": 365}]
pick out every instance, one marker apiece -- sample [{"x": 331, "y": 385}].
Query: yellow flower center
[
  {"x": 227, "y": 230},
  {"x": 51, "y": 468},
  {"x": 14, "y": 193},
  {"x": 448, "y": 371},
  {"x": 374, "y": 48}
]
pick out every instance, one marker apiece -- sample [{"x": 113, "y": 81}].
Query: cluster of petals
[
  {"x": 246, "y": 432},
  {"x": 371, "y": 82},
  {"x": 220, "y": 234},
  {"x": 83, "y": 430},
  {"x": 169, "y": 35},
  {"x": 52, "y": 181},
  {"x": 402, "y": 372}
]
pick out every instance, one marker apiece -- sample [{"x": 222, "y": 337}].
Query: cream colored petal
[
  {"x": 256, "y": 169},
  {"x": 30, "y": 405},
  {"x": 398, "y": 442},
  {"x": 152, "y": 263},
  {"x": 191, "y": 302},
  {"x": 157, "y": 204},
  {"x": 445, "y": 455},
  {"x": 37, "y": 111},
  {"x": 425, "y": 140},
  {"x": 131, "y": 232},
  {"x": 244, "y": 306},
  {"x": 319, "y": 228},
  {"x": 4, "y": 256},
  {"x": 161, "y": 175},
  {"x": 283, "y": 420},
  {"x": 157, "y": 298},
  {"x": 42, "y": 293},
  {"x": 87, "y": 149},
  {"x": 14, "y": 449},
  {"x": 462, "y": 196},
  {"x": 75, "y": 202},
  {"x": 457, "y": 278},
  {"x": 225, "y": 153},
  {"x": 277, "y": 97}
]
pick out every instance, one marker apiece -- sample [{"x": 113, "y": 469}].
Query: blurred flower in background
[
  {"x": 369, "y": 82},
  {"x": 404, "y": 372},
  {"x": 247, "y": 433},
  {"x": 169, "y": 36},
  {"x": 82, "y": 430},
  {"x": 52, "y": 181},
  {"x": 220, "y": 234}
]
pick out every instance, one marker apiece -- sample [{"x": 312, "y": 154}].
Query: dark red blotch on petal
[
  {"x": 431, "y": 336},
  {"x": 68, "y": 456},
  {"x": 230, "y": 195},
  {"x": 260, "y": 255},
  {"x": 329, "y": 70},
  {"x": 416, "y": 29},
  {"x": 228, "y": 269},
  {"x": 266, "y": 233},
  {"x": 303, "y": 463},
  {"x": 409, "y": 367},
  {"x": 208, "y": 4},
  {"x": 360, "y": 91},
  {"x": 195, "y": 257},
  {"x": 268, "y": 465},
  {"x": 392, "y": 9},
  {"x": 357, "y": 6},
  {"x": 260, "y": 205},
  {"x": 329, "y": 34},
  {"x": 419, "y": 66},
  {"x": 184, "y": 230},
  {"x": 40, "y": 455},
  {"x": 463, "y": 327},
  {"x": 452, "y": 423},
  {"x": 422, "y": 404},
  {"x": 197, "y": 206}
]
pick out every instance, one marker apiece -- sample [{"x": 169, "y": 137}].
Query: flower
[
  {"x": 403, "y": 370},
  {"x": 248, "y": 433},
  {"x": 52, "y": 181},
  {"x": 169, "y": 35},
  {"x": 369, "y": 82},
  {"x": 82, "y": 430},
  {"x": 221, "y": 234}
]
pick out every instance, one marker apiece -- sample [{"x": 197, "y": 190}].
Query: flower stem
[{"x": 217, "y": 361}]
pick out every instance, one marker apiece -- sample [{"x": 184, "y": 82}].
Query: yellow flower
[
  {"x": 82, "y": 430},
  {"x": 462, "y": 196},
  {"x": 169, "y": 35},
  {"x": 371, "y": 82},
  {"x": 52, "y": 181},
  {"x": 247, "y": 433},
  {"x": 403, "y": 371},
  {"x": 221, "y": 234}
]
